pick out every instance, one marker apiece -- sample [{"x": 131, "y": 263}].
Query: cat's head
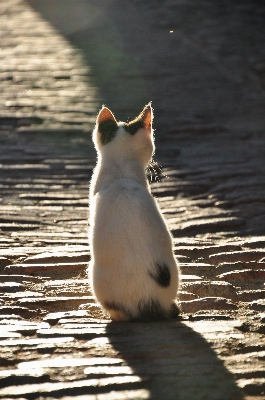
[{"x": 126, "y": 140}]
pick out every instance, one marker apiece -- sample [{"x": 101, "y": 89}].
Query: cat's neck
[{"x": 110, "y": 169}]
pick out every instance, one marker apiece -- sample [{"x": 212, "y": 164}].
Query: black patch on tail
[
  {"x": 108, "y": 130},
  {"x": 133, "y": 127},
  {"x": 147, "y": 311},
  {"x": 111, "y": 305},
  {"x": 153, "y": 311},
  {"x": 161, "y": 275},
  {"x": 174, "y": 311}
]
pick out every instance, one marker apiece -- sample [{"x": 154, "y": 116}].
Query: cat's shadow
[{"x": 174, "y": 361}]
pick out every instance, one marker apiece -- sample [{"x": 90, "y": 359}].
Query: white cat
[{"x": 133, "y": 272}]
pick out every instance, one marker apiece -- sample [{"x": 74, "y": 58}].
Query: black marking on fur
[
  {"x": 153, "y": 311},
  {"x": 134, "y": 126},
  {"x": 174, "y": 311},
  {"x": 111, "y": 305},
  {"x": 147, "y": 311},
  {"x": 108, "y": 130},
  {"x": 161, "y": 275}
]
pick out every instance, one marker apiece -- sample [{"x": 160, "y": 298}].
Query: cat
[{"x": 133, "y": 271}]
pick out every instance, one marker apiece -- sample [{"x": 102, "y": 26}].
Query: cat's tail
[
  {"x": 146, "y": 311},
  {"x": 153, "y": 311}
]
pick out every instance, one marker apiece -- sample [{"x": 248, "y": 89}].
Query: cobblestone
[
  {"x": 11, "y": 287},
  {"x": 207, "y": 303},
  {"x": 44, "y": 268},
  {"x": 201, "y": 64},
  {"x": 245, "y": 256}
]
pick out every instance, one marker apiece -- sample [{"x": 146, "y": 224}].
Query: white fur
[{"x": 128, "y": 234}]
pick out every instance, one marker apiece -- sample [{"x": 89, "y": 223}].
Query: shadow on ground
[{"x": 177, "y": 361}]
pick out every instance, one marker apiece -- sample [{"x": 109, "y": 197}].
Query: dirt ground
[{"x": 202, "y": 64}]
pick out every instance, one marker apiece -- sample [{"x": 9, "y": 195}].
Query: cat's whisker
[
  {"x": 157, "y": 177},
  {"x": 159, "y": 168},
  {"x": 150, "y": 173},
  {"x": 151, "y": 168}
]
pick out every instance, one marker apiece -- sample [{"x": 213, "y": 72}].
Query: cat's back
[
  {"x": 126, "y": 211},
  {"x": 122, "y": 195}
]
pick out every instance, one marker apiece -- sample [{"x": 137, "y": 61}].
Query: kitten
[{"x": 133, "y": 272}]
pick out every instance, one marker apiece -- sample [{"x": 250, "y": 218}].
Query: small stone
[
  {"x": 254, "y": 386},
  {"x": 10, "y": 316},
  {"x": 36, "y": 342},
  {"x": 61, "y": 302},
  {"x": 209, "y": 317},
  {"x": 258, "y": 305},
  {"x": 203, "y": 250},
  {"x": 59, "y": 362},
  {"x": 17, "y": 310},
  {"x": 20, "y": 322},
  {"x": 69, "y": 287},
  {"x": 190, "y": 278},
  {"x": 13, "y": 253},
  {"x": 250, "y": 295},
  {"x": 195, "y": 268},
  {"x": 87, "y": 320},
  {"x": 58, "y": 258},
  {"x": 59, "y": 388},
  {"x": 253, "y": 242},
  {"x": 182, "y": 259},
  {"x": 207, "y": 303},
  {"x": 11, "y": 287},
  {"x": 78, "y": 332},
  {"x": 9, "y": 377},
  {"x": 21, "y": 278},
  {"x": 212, "y": 224},
  {"x": 140, "y": 394},
  {"x": 9, "y": 335},
  {"x": 24, "y": 328},
  {"x": 227, "y": 267},
  {"x": 182, "y": 296},
  {"x": 243, "y": 275},
  {"x": 235, "y": 256},
  {"x": 70, "y": 282},
  {"x": 226, "y": 326},
  {"x": 25, "y": 294},
  {"x": 210, "y": 289},
  {"x": 109, "y": 370},
  {"x": 252, "y": 327},
  {"x": 37, "y": 268},
  {"x": 53, "y": 318},
  {"x": 262, "y": 317},
  {"x": 17, "y": 398},
  {"x": 3, "y": 262}
]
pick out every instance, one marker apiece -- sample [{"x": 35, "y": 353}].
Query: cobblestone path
[{"x": 203, "y": 66}]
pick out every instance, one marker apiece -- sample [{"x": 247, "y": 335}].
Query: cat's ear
[
  {"x": 144, "y": 120},
  {"x": 106, "y": 126},
  {"x": 105, "y": 115},
  {"x": 146, "y": 117}
]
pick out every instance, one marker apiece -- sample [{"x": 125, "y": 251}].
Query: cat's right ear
[
  {"x": 105, "y": 115},
  {"x": 106, "y": 126}
]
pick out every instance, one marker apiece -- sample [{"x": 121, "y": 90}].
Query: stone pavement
[{"x": 203, "y": 66}]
